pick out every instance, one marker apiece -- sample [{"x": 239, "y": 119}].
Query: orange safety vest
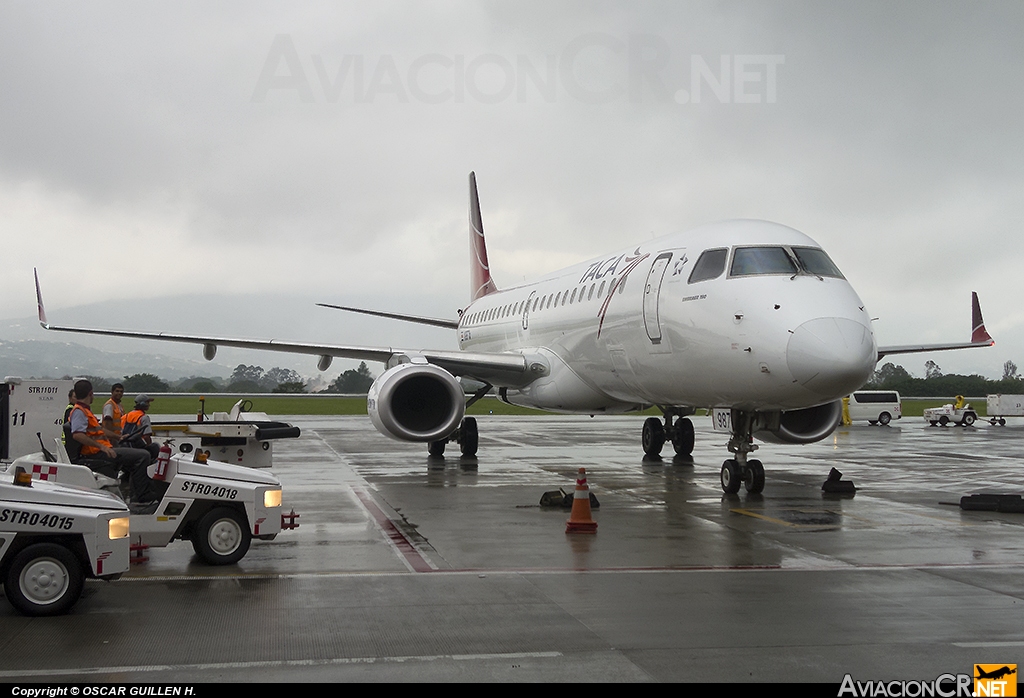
[
  {"x": 118, "y": 414},
  {"x": 94, "y": 431},
  {"x": 132, "y": 418}
]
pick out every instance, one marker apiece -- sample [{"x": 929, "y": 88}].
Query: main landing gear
[
  {"x": 680, "y": 433},
  {"x": 741, "y": 470},
  {"x": 467, "y": 436}
]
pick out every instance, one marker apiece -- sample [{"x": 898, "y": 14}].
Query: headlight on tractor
[
  {"x": 272, "y": 498},
  {"x": 117, "y": 528}
]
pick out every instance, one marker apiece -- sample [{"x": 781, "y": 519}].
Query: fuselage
[{"x": 764, "y": 322}]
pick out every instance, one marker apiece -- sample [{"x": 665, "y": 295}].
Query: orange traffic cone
[{"x": 580, "y": 520}]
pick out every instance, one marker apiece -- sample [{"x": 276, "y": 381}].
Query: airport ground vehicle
[
  {"x": 959, "y": 413},
  {"x": 1002, "y": 406},
  {"x": 876, "y": 406},
  {"x": 239, "y": 437},
  {"x": 219, "y": 507},
  {"x": 53, "y": 537}
]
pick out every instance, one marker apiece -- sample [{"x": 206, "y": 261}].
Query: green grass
[{"x": 291, "y": 404}]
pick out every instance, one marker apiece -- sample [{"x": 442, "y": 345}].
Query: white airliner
[{"x": 746, "y": 316}]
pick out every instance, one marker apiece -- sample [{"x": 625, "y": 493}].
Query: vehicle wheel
[
  {"x": 943, "y": 420},
  {"x": 731, "y": 476},
  {"x": 653, "y": 436},
  {"x": 469, "y": 437},
  {"x": 436, "y": 448},
  {"x": 969, "y": 419},
  {"x": 755, "y": 477},
  {"x": 682, "y": 437},
  {"x": 44, "y": 579},
  {"x": 1002, "y": 422},
  {"x": 884, "y": 419},
  {"x": 222, "y": 537}
]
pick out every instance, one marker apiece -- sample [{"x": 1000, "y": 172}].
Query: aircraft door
[
  {"x": 524, "y": 326},
  {"x": 652, "y": 292}
]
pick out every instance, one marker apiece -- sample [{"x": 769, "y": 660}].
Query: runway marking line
[{"x": 24, "y": 673}]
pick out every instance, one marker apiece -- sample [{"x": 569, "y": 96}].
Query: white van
[{"x": 876, "y": 406}]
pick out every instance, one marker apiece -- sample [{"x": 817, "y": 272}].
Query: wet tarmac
[{"x": 409, "y": 568}]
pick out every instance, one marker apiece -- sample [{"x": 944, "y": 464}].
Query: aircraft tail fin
[
  {"x": 978, "y": 332},
  {"x": 39, "y": 302},
  {"x": 480, "y": 272}
]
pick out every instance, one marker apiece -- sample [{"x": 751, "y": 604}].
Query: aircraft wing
[
  {"x": 979, "y": 337},
  {"x": 498, "y": 369}
]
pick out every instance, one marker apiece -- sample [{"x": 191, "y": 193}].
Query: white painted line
[{"x": 339, "y": 661}]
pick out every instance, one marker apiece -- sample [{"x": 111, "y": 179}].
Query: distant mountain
[{"x": 41, "y": 359}]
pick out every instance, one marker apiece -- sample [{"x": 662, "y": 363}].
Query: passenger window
[
  {"x": 591, "y": 294},
  {"x": 600, "y": 290},
  {"x": 815, "y": 261},
  {"x": 755, "y": 261},
  {"x": 572, "y": 299},
  {"x": 710, "y": 265}
]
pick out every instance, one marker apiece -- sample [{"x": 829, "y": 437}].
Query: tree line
[
  {"x": 937, "y": 384},
  {"x": 244, "y": 379}
]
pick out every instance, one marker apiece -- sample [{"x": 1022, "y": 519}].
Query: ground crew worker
[
  {"x": 67, "y": 414},
  {"x": 137, "y": 428},
  {"x": 113, "y": 413},
  {"x": 98, "y": 455}
]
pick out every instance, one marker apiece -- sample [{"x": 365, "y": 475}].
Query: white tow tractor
[
  {"x": 53, "y": 537},
  {"x": 959, "y": 412},
  {"x": 219, "y": 507}
]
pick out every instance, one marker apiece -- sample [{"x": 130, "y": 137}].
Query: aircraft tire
[
  {"x": 755, "y": 477},
  {"x": 653, "y": 436},
  {"x": 682, "y": 437},
  {"x": 731, "y": 476},
  {"x": 436, "y": 448},
  {"x": 469, "y": 437},
  {"x": 44, "y": 579},
  {"x": 222, "y": 537}
]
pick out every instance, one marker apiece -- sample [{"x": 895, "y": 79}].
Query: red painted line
[{"x": 405, "y": 547}]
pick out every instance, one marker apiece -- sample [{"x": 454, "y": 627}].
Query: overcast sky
[{"x": 269, "y": 155}]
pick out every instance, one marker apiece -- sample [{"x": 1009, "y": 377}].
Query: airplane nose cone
[{"x": 831, "y": 356}]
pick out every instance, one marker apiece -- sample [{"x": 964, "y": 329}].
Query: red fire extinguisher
[{"x": 162, "y": 460}]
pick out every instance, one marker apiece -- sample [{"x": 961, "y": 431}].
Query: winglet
[
  {"x": 480, "y": 272},
  {"x": 39, "y": 302},
  {"x": 979, "y": 334}
]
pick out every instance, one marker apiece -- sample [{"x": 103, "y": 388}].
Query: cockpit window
[
  {"x": 710, "y": 265},
  {"x": 751, "y": 261},
  {"x": 815, "y": 261}
]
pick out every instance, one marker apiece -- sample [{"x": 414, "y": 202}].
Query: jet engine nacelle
[
  {"x": 416, "y": 402},
  {"x": 801, "y": 426}
]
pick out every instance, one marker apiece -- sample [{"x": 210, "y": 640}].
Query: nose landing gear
[{"x": 741, "y": 470}]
